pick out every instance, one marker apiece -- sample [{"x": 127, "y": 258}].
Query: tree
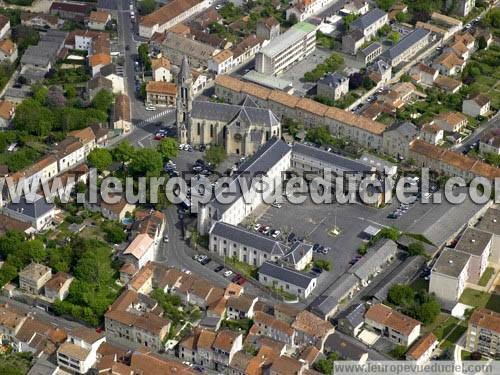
[
  {"x": 100, "y": 158},
  {"x": 416, "y": 248},
  {"x": 428, "y": 311},
  {"x": 403, "y": 17},
  {"x": 114, "y": 232},
  {"x": 146, "y": 163},
  {"x": 320, "y": 135},
  {"x": 368, "y": 84},
  {"x": 385, "y": 4},
  {"x": 292, "y": 19},
  {"x": 481, "y": 43},
  {"x": 398, "y": 352},
  {"x": 323, "y": 264},
  {"x": 355, "y": 81},
  {"x": 401, "y": 295},
  {"x": 144, "y": 59},
  {"x": 348, "y": 20},
  {"x": 168, "y": 148},
  {"x": 215, "y": 155},
  {"x": 324, "y": 366},
  {"x": 33, "y": 118},
  {"x": 55, "y": 98},
  {"x": 123, "y": 152},
  {"x": 39, "y": 93},
  {"x": 393, "y": 36},
  {"x": 103, "y": 100},
  {"x": 146, "y": 6}
]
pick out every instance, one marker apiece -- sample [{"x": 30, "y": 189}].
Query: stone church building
[{"x": 240, "y": 129}]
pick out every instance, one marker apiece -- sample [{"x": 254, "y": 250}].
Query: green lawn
[
  {"x": 483, "y": 281},
  {"x": 242, "y": 267},
  {"x": 455, "y": 335},
  {"x": 480, "y": 299},
  {"x": 442, "y": 326}
]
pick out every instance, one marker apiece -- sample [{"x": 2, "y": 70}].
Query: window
[{"x": 199, "y": 128}]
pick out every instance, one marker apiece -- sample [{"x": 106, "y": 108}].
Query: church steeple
[{"x": 184, "y": 102}]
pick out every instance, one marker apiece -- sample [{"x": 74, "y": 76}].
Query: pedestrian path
[{"x": 155, "y": 117}]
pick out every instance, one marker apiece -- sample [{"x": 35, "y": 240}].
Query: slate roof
[
  {"x": 264, "y": 159},
  {"x": 248, "y": 113},
  {"x": 330, "y": 158},
  {"x": 333, "y": 80},
  {"x": 247, "y": 238},
  {"x": 297, "y": 251},
  {"x": 344, "y": 348},
  {"x": 285, "y": 274},
  {"x": 374, "y": 259},
  {"x": 406, "y": 129},
  {"x": 329, "y": 300},
  {"x": 407, "y": 42},
  {"x": 354, "y": 314},
  {"x": 371, "y": 48},
  {"x": 368, "y": 19},
  {"x": 33, "y": 209}
]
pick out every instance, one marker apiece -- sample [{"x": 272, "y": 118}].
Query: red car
[
  {"x": 99, "y": 330},
  {"x": 241, "y": 281}
]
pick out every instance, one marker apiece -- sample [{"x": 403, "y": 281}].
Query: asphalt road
[{"x": 494, "y": 122}]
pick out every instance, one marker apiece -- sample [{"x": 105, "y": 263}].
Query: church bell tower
[{"x": 184, "y": 101}]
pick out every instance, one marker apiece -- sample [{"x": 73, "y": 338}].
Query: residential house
[
  {"x": 79, "y": 353},
  {"x": 33, "y": 209},
  {"x": 33, "y": 277},
  {"x": 43, "y": 56},
  {"x": 161, "y": 69},
  {"x": 407, "y": 47},
  {"x": 41, "y": 21},
  {"x": 268, "y": 325},
  {"x": 226, "y": 344},
  {"x": 304, "y": 9},
  {"x": 69, "y": 152},
  {"x": 122, "y": 118},
  {"x": 370, "y": 23},
  {"x": 11, "y": 322},
  {"x": 7, "y": 110},
  {"x": 459, "y": 49},
  {"x": 4, "y": 26},
  {"x": 380, "y": 72},
  {"x": 8, "y": 50},
  {"x": 140, "y": 251},
  {"x": 57, "y": 288},
  {"x": 109, "y": 71},
  {"x": 333, "y": 86},
  {"x": 299, "y": 256},
  {"x": 448, "y": 277},
  {"x": 432, "y": 134},
  {"x": 222, "y": 62},
  {"x": 424, "y": 73},
  {"x": 97, "y": 61},
  {"x": 421, "y": 351},
  {"x": 246, "y": 49},
  {"x": 286, "y": 279},
  {"x": 477, "y": 105},
  {"x": 483, "y": 332},
  {"x": 449, "y": 64},
  {"x": 136, "y": 318},
  {"x": 112, "y": 211},
  {"x": 397, "y": 138},
  {"x": 197, "y": 348},
  {"x": 467, "y": 39},
  {"x": 356, "y": 7},
  {"x": 353, "y": 41},
  {"x": 152, "y": 223},
  {"x": 351, "y": 320},
  {"x": 286, "y": 49},
  {"x": 392, "y": 324},
  {"x": 97, "y": 84},
  {"x": 70, "y": 11},
  {"x": 268, "y": 28},
  {"x": 161, "y": 93},
  {"x": 197, "y": 291},
  {"x": 240, "y": 307},
  {"x": 477, "y": 244},
  {"x": 447, "y": 84},
  {"x": 284, "y": 365},
  {"x": 87, "y": 137},
  {"x": 311, "y": 330},
  {"x": 346, "y": 349},
  {"x": 98, "y": 20},
  {"x": 42, "y": 171},
  {"x": 286, "y": 312},
  {"x": 450, "y": 121},
  {"x": 488, "y": 144}
]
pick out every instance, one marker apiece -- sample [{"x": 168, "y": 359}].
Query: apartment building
[
  {"x": 448, "y": 277},
  {"x": 483, "y": 333},
  {"x": 392, "y": 324},
  {"x": 397, "y": 138},
  {"x": 79, "y": 353},
  {"x": 370, "y": 23},
  {"x": 33, "y": 277},
  {"x": 370, "y": 53},
  {"x": 477, "y": 244},
  {"x": 170, "y": 15},
  {"x": 286, "y": 49},
  {"x": 340, "y": 123},
  {"x": 450, "y": 121},
  {"x": 161, "y": 93},
  {"x": 407, "y": 47}
]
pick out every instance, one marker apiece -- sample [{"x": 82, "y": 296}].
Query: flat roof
[
  {"x": 474, "y": 241},
  {"x": 289, "y": 37},
  {"x": 451, "y": 262},
  {"x": 268, "y": 80}
]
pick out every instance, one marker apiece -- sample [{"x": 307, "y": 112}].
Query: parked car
[
  {"x": 165, "y": 238},
  {"x": 276, "y": 205},
  {"x": 228, "y": 273},
  {"x": 150, "y": 108},
  {"x": 266, "y": 230},
  {"x": 316, "y": 246},
  {"x": 275, "y": 233},
  {"x": 235, "y": 278},
  {"x": 218, "y": 268},
  {"x": 291, "y": 237},
  {"x": 205, "y": 261},
  {"x": 241, "y": 281},
  {"x": 317, "y": 270}
]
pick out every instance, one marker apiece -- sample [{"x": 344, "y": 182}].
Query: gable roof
[
  {"x": 421, "y": 346},
  {"x": 368, "y": 19},
  {"x": 286, "y": 274},
  {"x": 384, "y": 315}
]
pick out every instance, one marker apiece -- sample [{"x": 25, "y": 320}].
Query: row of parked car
[
  {"x": 267, "y": 230},
  {"x": 234, "y": 277}
]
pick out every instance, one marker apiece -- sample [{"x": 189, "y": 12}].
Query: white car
[
  {"x": 150, "y": 108},
  {"x": 228, "y": 273},
  {"x": 165, "y": 238},
  {"x": 276, "y": 205},
  {"x": 256, "y": 227},
  {"x": 186, "y": 271},
  {"x": 181, "y": 146},
  {"x": 276, "y": 234}
]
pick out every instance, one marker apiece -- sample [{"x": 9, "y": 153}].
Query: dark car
[
  {"x": 241, "y": 281},
  {"x": 316, "y": 246},
  {"x": 317, "y": 270},
  {"x": 235, "y": 278},
  {"x": 127, "y": 47},
  {"x": 291, "y": 237},
  {"x": 199, "y": 162},
  {"x": 218, "y": 268},
  {"x": 206, "y": 261}
]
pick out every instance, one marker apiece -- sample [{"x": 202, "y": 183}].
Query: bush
[
  {"x": 322, "y": 264},
  {"x": 114, "y": 232},
  {"x": 215, "y": 155}
]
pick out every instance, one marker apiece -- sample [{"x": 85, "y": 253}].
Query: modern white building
[
  {"x": 79, "y": 353},
  {"x": 477, "y": 244},
  {"x": 286, "y": 49},
  {"x": 448, "y": 277}
]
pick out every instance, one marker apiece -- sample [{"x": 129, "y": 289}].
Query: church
[{"x": 240, "y": 129}]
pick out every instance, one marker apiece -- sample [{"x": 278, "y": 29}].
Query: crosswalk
[{"x": 156, "y": 116}]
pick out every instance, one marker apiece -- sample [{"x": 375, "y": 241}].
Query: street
[{"x": 476, "y": 135}]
